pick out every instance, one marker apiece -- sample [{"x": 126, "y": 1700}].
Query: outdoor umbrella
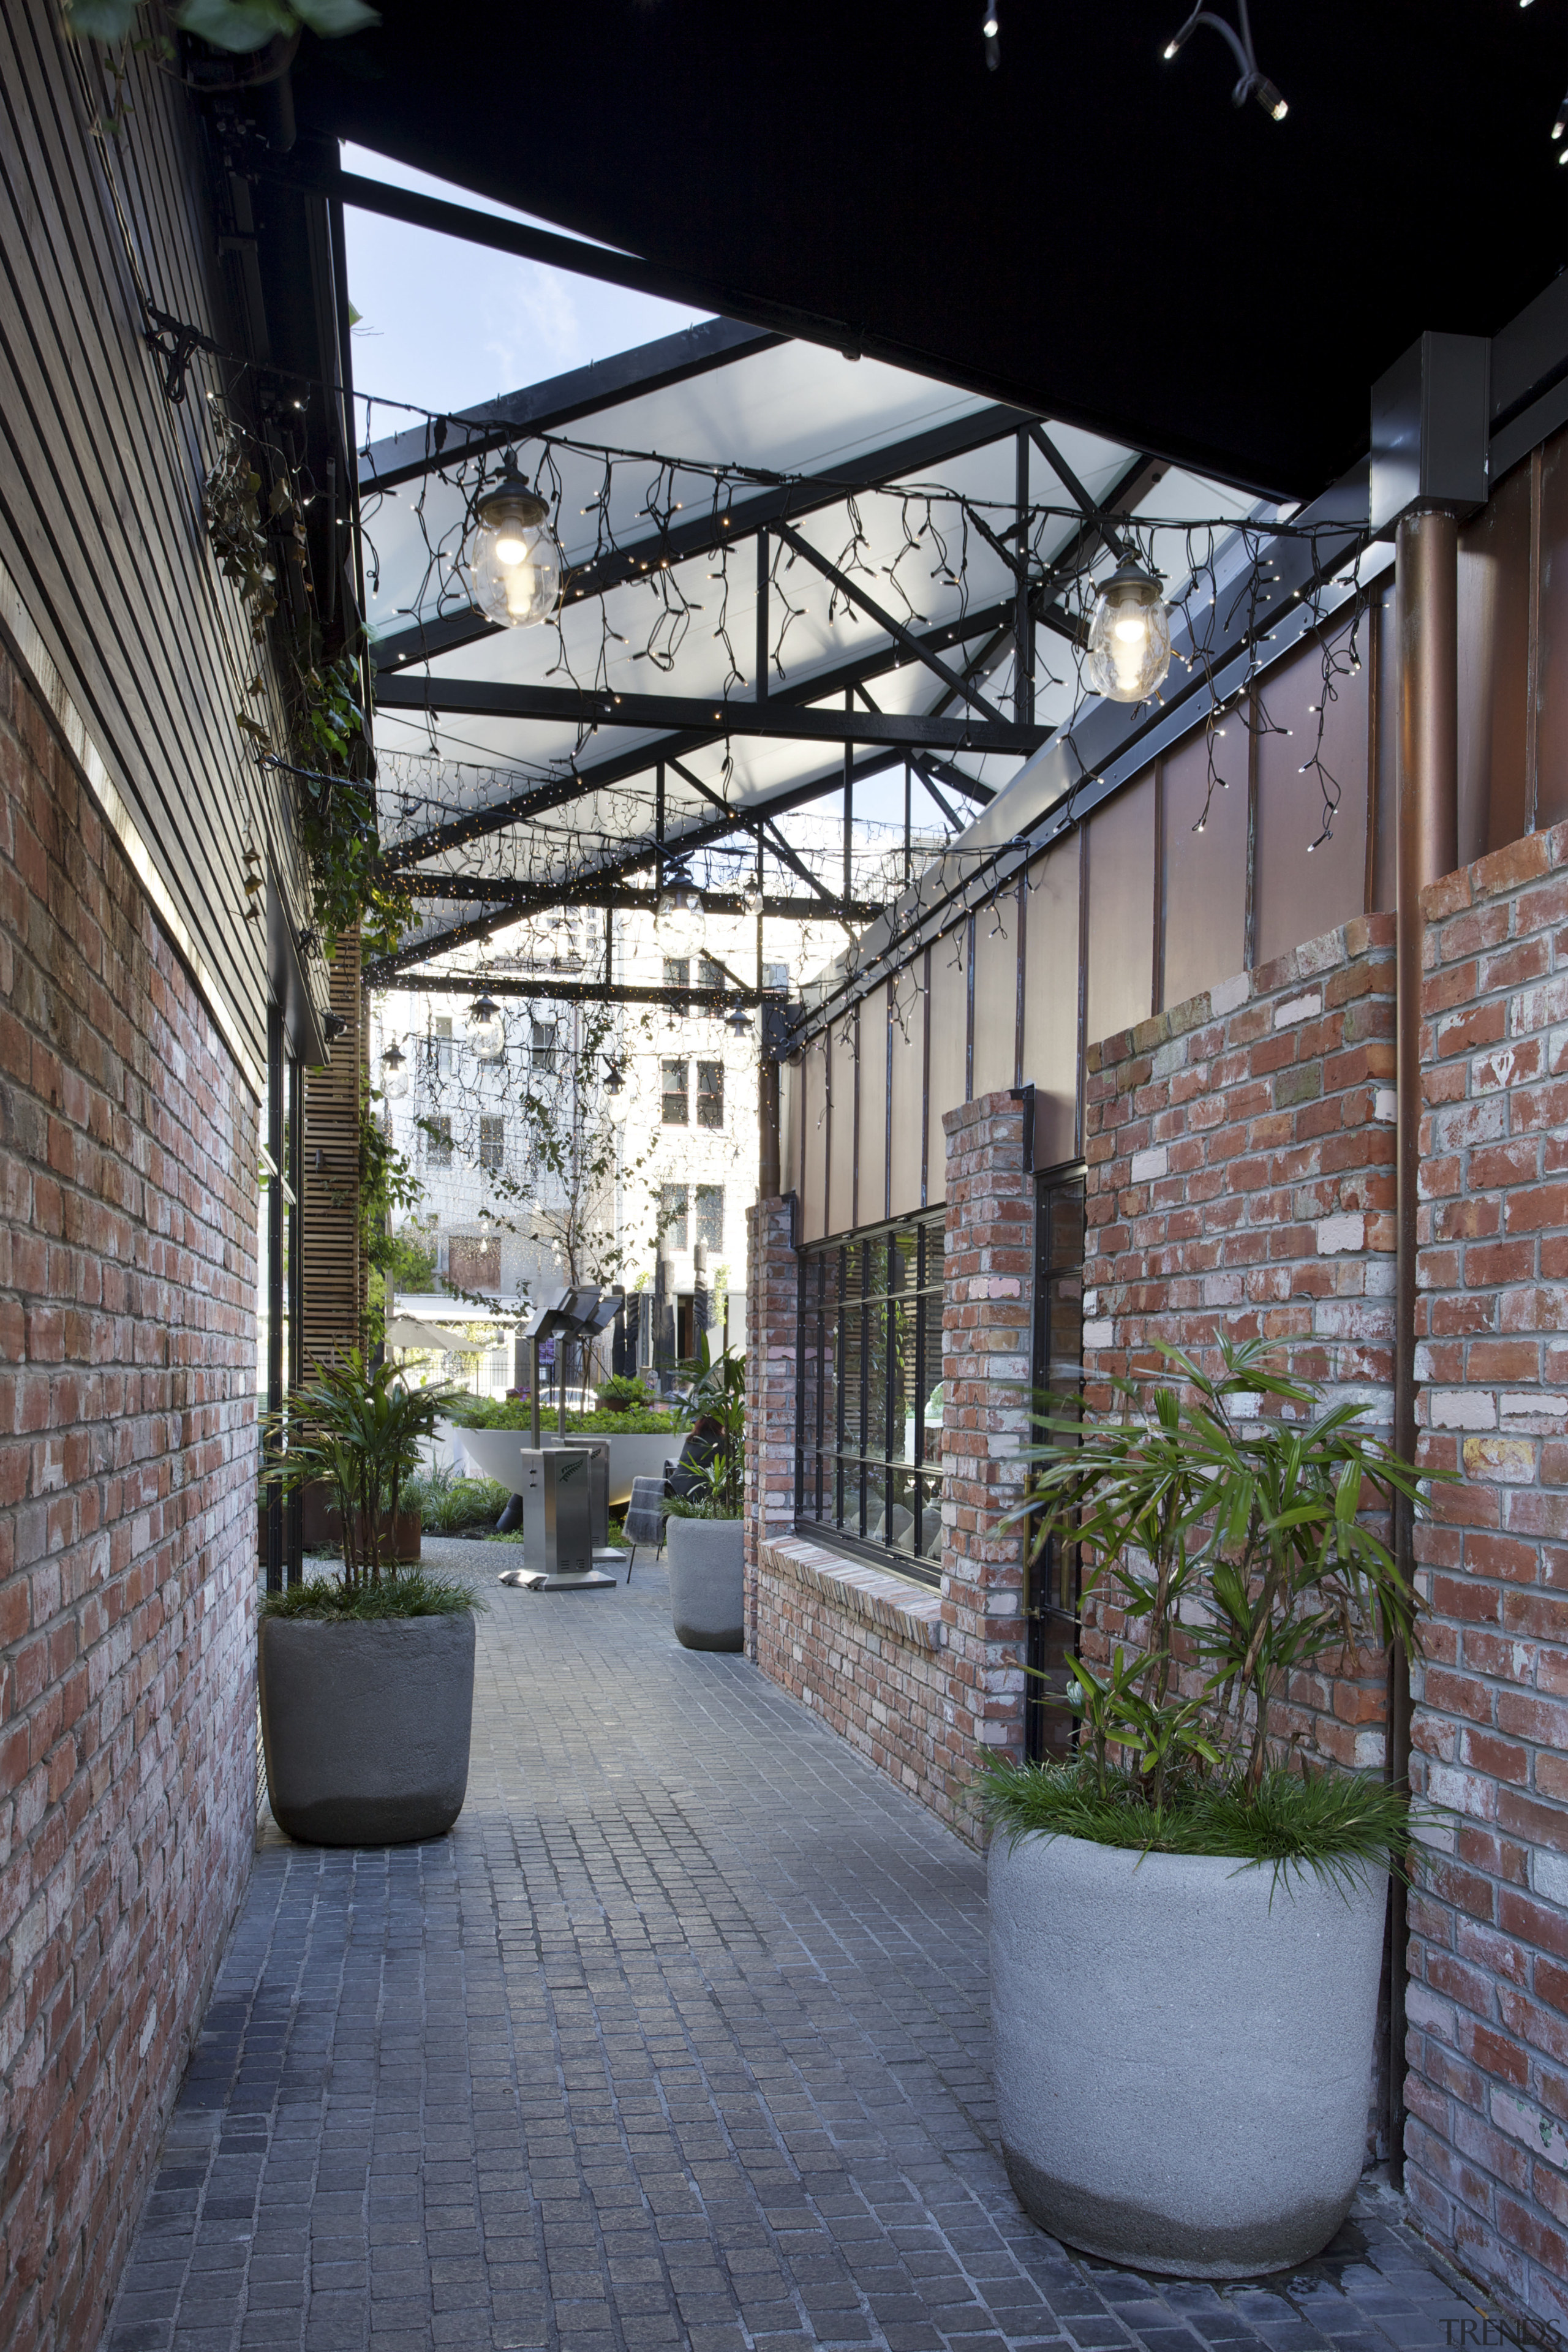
[{"x": 405, "y": 1331}]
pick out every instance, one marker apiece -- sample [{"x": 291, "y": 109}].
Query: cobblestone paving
[{"x": 680, "y": 2039}]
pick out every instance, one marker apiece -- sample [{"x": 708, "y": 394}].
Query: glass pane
[
  {"x": 903, "y": 1378},
  {"x": 852, "y": 1365},
  {"x": 874, "y": 1424}
]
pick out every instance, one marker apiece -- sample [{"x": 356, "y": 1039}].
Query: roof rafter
[
  {"x": 621, "y": 766},
  {"x": 707, "y": 532},
  {"x": 559, "y": 400}
]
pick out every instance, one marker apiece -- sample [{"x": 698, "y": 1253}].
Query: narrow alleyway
[{"x": 678, "y": 2040}]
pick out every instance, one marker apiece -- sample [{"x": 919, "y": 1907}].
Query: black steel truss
[
  {"x": 706, "y": 531},
  {"x": 559, "y": 400},
  {"x": 474, "y": 890},
  {"x": 583, "y": 992},
  {"x": 990, "y": 621},
  {"x": 677, "y": 713}
]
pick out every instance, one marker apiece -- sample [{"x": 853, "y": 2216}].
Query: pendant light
[
  {"x": 1129, "y": 635},
  {"x": 678, "y": 915},
  {"x": 393, "y": 1059},
  {"x": 514, "y": 564},
  {"x": 483, "y": 1009}
]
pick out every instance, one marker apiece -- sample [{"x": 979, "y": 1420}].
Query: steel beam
[
  {"x": 698, "y": 1000},
  {"x": 603, "y": 775},
  {"x": 459, "y": 890},
  {"x": 571, "y": 706},
  {"x": 559, "y": 400},
  {"x": 706, "y": 534},
  {"x": 917, "y": 647}
]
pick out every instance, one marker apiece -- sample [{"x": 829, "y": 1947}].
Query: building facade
[{"x": 1174, "y": 1044}]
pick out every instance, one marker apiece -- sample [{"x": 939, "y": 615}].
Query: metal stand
[{"x": 565, "y": 1481}]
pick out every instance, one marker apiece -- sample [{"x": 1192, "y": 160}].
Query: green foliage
[
  {"x": 407, "y": 1260},
  {"x": 512, "y": 1413},
  {"x": 622, "y": 1394},
  {"x": 719, "y": 1389},
  {"x": 411, "y": 1594},
  {"x": 717, "y": 1495},
  {"x": 360, "y": 1433},
  {"x": 449, "y": 1502},
  {"x": 1238, "y": 1528},
  {"x": 1343, "y": 1824}
]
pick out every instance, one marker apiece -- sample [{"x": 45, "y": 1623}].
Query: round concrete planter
[
  {"x": 366, "y": 1727},
  {"x": 497, "y": 1454},
  {"x": 706, "y": 1582},
  {"x": 1182, "y": 2050}
]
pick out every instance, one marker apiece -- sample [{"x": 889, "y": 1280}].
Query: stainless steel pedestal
[{"x": 558, "y": 1522}]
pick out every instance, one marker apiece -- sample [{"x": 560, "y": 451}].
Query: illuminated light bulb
[
  {"x": 514, "y": 564},
  {"x": 1130, "y": 636},
  {"x": 752, "y": 897}
]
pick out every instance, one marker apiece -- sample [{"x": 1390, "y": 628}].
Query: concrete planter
[
  {"x": 496, "y": 1453},
  {"x": 366, "y": 1727},
  {"x": 706, "y": 1582},
  {"x": 1182, "y": 2051}
]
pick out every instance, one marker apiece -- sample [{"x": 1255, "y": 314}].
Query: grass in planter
[
  {"x": 449, "y": 1503},
  {"x": 1343, "y": 1825},
  {"x": 410, "y": 1594}
]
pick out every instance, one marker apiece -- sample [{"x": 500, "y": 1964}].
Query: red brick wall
[
  {"x": 1240, "y": 1153},
  {"x": 863, "y": 1648},
  {"x": 987, "y": 1368},
  {"x": 920, "y": 1682},
  {"x": 127, "y": 1531},
  {"x": 1487, "y": 2004}
]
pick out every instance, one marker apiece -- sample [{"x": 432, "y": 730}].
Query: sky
[{"x": 446, "y": 324}]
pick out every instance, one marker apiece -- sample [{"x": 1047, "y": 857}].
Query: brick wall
[
  {"x": 1241, "y": 1181},
  {"x": 1488, "y": 2003},
  {"x": 127, "y": 1533},
  {"x": 920, "y": 1680},
  {"x": 987, "y": 1369},
  {"x": 863, "y": 1648}
]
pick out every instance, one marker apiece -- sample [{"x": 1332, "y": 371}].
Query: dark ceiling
[{"x": 1088, "y": 231}]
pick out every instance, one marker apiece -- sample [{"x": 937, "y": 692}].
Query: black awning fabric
[{"x": 1089, "y": 231}]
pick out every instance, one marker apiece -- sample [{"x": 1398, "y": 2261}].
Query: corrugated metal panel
[
  {"x": 1121, "y": 912},
  {"x": 906, "y": 1048},
  {"x": 948, "y": 1031},
  {"x": 1300, "y": 892},
  {"x": 1494, "y": 652},
  {"x": 995, "y": 994},
  {"x": 1205, "y": 929},
  {"x": 873, "y": 1120},
  {"x": 814, "y": 1141},
  {"x": 1050, "y": 1002}
]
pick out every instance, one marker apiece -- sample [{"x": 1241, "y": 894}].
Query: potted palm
[
  {"x": 367, "y": 1680},
  {"x": 1187, "y": 1933},
  {"x": 702, "y": 1515}
]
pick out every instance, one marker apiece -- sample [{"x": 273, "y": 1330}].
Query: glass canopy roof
[{"x": 501, "y": 759}]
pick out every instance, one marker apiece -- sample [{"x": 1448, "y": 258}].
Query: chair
[{"x": 644, "y": 1522}]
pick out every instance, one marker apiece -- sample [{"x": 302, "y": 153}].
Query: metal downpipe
[{"x": 1426, "y": 651}]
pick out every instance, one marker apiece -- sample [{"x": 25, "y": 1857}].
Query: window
[
  {"x": 710, "y": 1094},
  {"x": 492, "y": 1142},
  {"x": 473, "y": 1264},
  {"x": 676, "y": 1108},
  {"x": 678, "y": 971},
  {"x": 710, "y": 973},
  {"x": 672, "y": 1217},
  {"x": 541, "y": 1044},
  {"x": 710, "y": 1215},
  {"x": 437, "y": 1141},
  {"x": 441, "y": 1046},
  {"x": 868, "y": 1439},
  {"x": 775, "y": 975}
]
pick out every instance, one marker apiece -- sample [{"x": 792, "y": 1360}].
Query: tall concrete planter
[
  {"x": 366, "y": 1727},
  {"x": 1182, "y": 2051},
  {"x": 706, "y": 1582}
]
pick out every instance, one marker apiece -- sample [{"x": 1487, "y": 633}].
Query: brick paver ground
[{"x": 680, "y": 2039}]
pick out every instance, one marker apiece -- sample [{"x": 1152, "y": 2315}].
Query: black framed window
[
  {"x": 675, "y": 1102},
  {"x": 711, "y": 1094},
  {"x": 869, "y": 1403},
  {"x": 1051, "y": 1600}
]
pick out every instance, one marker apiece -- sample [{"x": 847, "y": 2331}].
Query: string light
[{"x": 1252, "y": 83}]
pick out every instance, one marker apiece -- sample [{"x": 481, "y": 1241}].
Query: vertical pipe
[
  {"x": 761, "y": 617},
  {"x": 1426, "y": 650},
  {"x": 909, "y": 852}
]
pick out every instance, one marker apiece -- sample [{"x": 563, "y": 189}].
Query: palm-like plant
[
  {"x": 1209, "y": 1517},
  {"x": 359, "y": 1432},
  {"x": 718, "y": 1389}
]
